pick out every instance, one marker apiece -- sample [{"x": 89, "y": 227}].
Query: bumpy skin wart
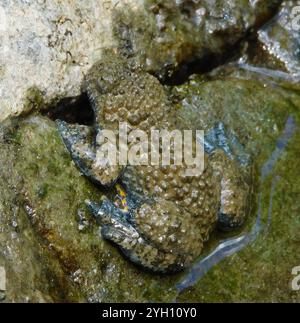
[{"x": 170, "y": 215}]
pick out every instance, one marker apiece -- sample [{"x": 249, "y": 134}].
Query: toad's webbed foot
[
  {"x": 231, "y": 165},
  {"x": 80, "y": 141},
  {"x": 219, "y": 138}
]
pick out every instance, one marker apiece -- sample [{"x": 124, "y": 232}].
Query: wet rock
[
  {"x": 46, "y": 47},
  {"x": 179, "y": 36},
  {"x": 255, "y": 111},
  {"x": 30, "y": 273},
  {"x": 281, "y": 37},
  {"x": 275, "y": 51}
]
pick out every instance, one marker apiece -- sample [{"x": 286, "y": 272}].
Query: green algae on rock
[
  {"x": 32, "y": 272},
  {"x": 253, "y": 110}
]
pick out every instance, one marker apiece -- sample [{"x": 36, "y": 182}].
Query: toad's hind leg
[
  {"x": 231, "y": 167},
  {"x": 219, "y": 138},
  {"x": 118, "y": 228},
  {"x": 80, "y": 141},
  {"x": 235, "y": 191}
]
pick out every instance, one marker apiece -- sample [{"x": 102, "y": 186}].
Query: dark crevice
[
  {"x": 208, "y": 63},
  {"x": 203, "y": 66},
  {"x": 72, "y": 110}
]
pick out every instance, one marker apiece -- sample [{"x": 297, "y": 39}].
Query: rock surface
[
  {"x": 275, "y": 51},
  {"x": 281, "y": 37},
  {"x": 48, "y": 46}
]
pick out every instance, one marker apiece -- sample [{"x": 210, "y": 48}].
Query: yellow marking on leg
[{"x": 122, "y": 195}]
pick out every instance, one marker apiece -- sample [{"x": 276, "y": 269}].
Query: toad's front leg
[{"x": 84, "y": 149}]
